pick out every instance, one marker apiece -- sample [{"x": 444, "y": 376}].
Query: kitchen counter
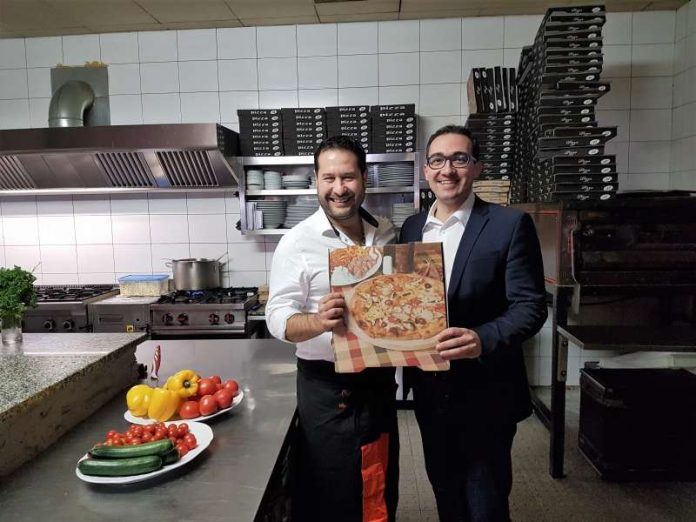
[{"x": 226, "y": 482}]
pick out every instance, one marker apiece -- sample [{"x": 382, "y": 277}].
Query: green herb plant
[{"x": 17, "y": 293}]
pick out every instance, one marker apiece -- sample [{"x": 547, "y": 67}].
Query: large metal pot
[{"x": 196, "y": 273}]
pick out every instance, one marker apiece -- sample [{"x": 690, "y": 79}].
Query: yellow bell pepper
[
  {"x": 184, "y": 383},
  {"x": 138, "y": 399},
  {"x": 163, "y": 404}
]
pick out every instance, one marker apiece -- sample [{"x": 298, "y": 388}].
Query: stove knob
[
  {"x": 229, "y": 318},
  {"x": 167, "y": 319},
  {"x": 214, "y": 319},
  {"x": 49, "y": 325},
  {"x": 68, "y": 325},
  {"x": 182, "y": 318}
]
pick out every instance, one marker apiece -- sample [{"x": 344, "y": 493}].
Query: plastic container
[{"x": 144, "y": 285}]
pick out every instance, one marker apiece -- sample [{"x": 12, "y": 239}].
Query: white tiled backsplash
[{"x": 206, "y": 75}]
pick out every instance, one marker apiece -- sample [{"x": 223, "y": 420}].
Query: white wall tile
[
  {"x": 649, "y": 157},
  {"x": 617, "y": 61},
  {"x": 400, "y": 94},
  {"x": 651, "y": 93},
  {"x": 19, "y": 206},
  {"x": 511, "y": 57},
  {"x": 20, "y": 230},
  {"x": 277, "y": 99},
  {"x": 617, "y": 29},
  {"x": 54, "y": 206},
  {"x": 486, "y": 32},
  {"x": 119, "y": 48},
  {"x": 129, "y": 204},
  {"x": 95, "y": 258},
  {"x": 246, "y": 278},
  {"x": 157, "y": 46},
  {"x": 649, "y": 181},
  {"x": 199, "y": 44},
  {"x": 427, "y": 125},
  {"x": 167, "y": 203},
  {"x": 205, "y": 203},
  {"x": 276, "y": 41},
  {"x": 620, "y": 150},
  {"x": 399, "y": 36},
  {"x": 399, "y": 68},
  {"x": 96, "y": 278},
  {"x": 159, "y": 77},
  {"x": 27, "y": 257},
  {"x": 59, "y": 279},
  {"x": 38, "y": 112},
  {"x": 680, "y": 22},
  {"x": 58, "y": 259},
  {"x": 652, "y": 59},
  {"x": 358, "y": 38},
  {"x": 209, "y": 250},
  {"x": 357, "y": 71},
  {"x": 318, "y": 97},
  {"x": 440, "y": 100},
  {"x": 207, "y": 228},
  {"x": 440, "y": 67},
  {"x": 126, "y": 109},
  {"x": 12, "y": 53},
  {"x": 651, "y": 27},
  {"x": 234, "y": 235},
  {"x": 441, "y": 35},
  {"x": 651, "y": 125},
  {"x": 124, "y": 79},
  {"x": 13, "y": 84},
  {"x": 171, "y": 228},
  {"x": 92, "y": 204},
  {"x": 679, "y": 64},
  {"x": 162, "y": 253},
  {"x": 130, "y": 229},
  {"x": 619, "y": 97},
  {"x": 44, "y": 52},
  {"x": 198, "y": 76},
  {"x": 238, "y": 75},
  {"x": 200, "y": 107},
  {"x": 132, "y": 258},
  {"x": 92, "y": 230},
  {"x": 317, "y": 40},
  {"x": 318, "y": 72},
  {"x": 56, "y": 230},
  {"x": 231, "y": 101},
  {"x": 232, "y": 203},
  {"x": 521, "y": 30},
  {"x": 80, "y": 49},
  {"x": 277, "y": 73},
  {"x": 618, "y": 118},
  {"x": 691, "y": 20},
  {"x": 237, "y": 42},
  {"x": 247, "y": 256},
  {"x": 161, "y": 108},
  {"x": 480, "y": 58},
  {"x": 39, "y": 82}
]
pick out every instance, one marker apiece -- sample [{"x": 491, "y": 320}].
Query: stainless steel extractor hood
[{"x": 117, "y": 158}]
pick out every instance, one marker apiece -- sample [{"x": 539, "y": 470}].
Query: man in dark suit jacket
[{"x": 495, "y": 294}]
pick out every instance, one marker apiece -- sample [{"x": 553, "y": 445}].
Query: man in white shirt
[{"x": 347, "y": 467}]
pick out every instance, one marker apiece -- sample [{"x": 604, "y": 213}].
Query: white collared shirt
[
  {"x": 448, "y": 233},
  {"x": 300, "y": 275}
]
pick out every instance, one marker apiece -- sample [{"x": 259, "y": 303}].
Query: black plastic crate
[{"x": 639, "y": 424}]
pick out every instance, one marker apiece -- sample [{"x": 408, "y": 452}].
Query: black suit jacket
[{"x": 496, "y": 289}]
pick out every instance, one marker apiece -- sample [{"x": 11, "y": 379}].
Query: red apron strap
[{"x": 375, "y": 457}]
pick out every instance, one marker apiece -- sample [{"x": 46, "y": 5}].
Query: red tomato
[
  {"x": 180, "y": 432},
  {"x": 147, "y": 437},
  {"x": 149, "y": 428},
  {"x": 206, "y": 387},
  {"x": 171, "y": 430},
  {"x": 189, "y": 410},
  {"x": 208, "y": 405},
  {"x": 137, "y": 440},
  {"x": 223, "y": 398},
  {"x": 111, "y": 434},
  {"x": 182, "y": 449},
  {"x": 184, "y": 426},
  {"x": 218, "y": 386},
  {"x": 173, "y": 439},
  {"x": 231, "y": 385},
  {"x": 190, "y": 441},
  {"x": 216, "y": 379}
]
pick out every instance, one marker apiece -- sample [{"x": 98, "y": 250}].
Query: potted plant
[{"x": 16, "y": 294}]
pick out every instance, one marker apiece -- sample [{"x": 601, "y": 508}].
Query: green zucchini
[
  {"x": 120, "y": 467},
  {"x": 158, "y": 447},
  {"x": 170, "y": 457}
]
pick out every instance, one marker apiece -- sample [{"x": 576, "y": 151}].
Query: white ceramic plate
[
  {"x": 204, "y": 436},
  {"x": 345, "y": 278},
  {"x": 145, "y": 420}
]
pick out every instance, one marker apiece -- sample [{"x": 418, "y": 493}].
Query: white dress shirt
[
  {"x": 448, "y": 233},
  {"x": 300, "y": 275}
]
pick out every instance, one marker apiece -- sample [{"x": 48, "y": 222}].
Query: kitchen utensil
[{"x": 196, "y": 273}]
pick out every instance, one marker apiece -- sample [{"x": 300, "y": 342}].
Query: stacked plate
[
  {"x": 395, "y": 174},
  {"x": 273, "y": 212},
  {"x": 300, "y": 210},
  {"x": 254, "y": 179},
  {"x": 272, "y": 180},
  {"x": 295, "y": 181},
  {"x": 372, "y": 171},
  {"x": 400, "y": 211}
]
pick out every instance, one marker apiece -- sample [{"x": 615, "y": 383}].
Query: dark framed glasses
[{"x": 460, "y": 160}]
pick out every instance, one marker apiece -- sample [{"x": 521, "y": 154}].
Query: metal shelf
[
  {"x": 267, "y": 232},
  {"x": 310, "y": 192},
  {"x": 309, "y": 160}
]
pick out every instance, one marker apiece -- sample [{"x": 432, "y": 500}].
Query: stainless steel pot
[{"x": 196, "y": 273}]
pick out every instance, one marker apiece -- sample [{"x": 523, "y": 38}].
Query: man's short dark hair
[
  {"x": 455, "y": 129},
  {"x": 342, "y": 143}
]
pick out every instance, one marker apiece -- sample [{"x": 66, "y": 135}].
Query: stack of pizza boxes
[
  {"x": 352, "y": 121},
  {"x": 394, "y": 128},
  {"x": 561, "y": 145},
  {"x": 261, "y": 132},
  {"x": 303, "y": 129}
]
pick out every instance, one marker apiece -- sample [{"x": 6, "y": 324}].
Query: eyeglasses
[{"x": 459, "y": 160}]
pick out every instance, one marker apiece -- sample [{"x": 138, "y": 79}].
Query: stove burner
[
  {"x": 47, "y": 294},
  {"x": 214, "y": 296}
]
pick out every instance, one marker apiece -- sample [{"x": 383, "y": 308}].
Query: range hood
[{"x": 104, "y": 159}]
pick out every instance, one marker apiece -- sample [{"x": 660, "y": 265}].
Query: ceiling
[{"x": 26, "y": 18}]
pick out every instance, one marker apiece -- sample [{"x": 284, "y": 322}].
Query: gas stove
[
  {"x": 220, "y": 312},
  {"x": 63, "y": 308}
]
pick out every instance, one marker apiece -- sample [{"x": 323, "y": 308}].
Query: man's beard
[{"x": 343, "y": 213}]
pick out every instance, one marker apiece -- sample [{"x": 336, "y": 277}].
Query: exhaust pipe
[{"x": 69, "y": 103}]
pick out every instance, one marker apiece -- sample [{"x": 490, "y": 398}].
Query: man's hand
[
  {"x": 458, "y": 343},
  {"x": 330, "y": 313}
]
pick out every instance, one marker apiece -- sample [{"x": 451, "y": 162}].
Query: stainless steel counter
[{"x": 226, "y": 482}]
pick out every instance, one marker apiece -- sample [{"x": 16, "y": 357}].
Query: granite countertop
[{"x": 43, "y": 361}]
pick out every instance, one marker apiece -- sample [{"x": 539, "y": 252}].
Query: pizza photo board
[{"x": 396, "y": 305}]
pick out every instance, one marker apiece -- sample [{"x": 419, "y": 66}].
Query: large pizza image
[{"x": 397, "y": 311}]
